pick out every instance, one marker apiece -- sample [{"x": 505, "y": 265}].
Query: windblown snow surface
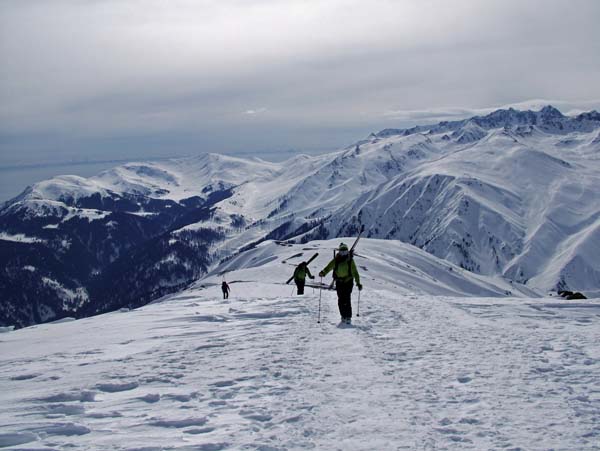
[{"x": 429, "y": 364}]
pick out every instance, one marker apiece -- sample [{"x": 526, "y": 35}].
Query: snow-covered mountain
[
  {"x": 193, "y": 371},
  {"x": 514, "y": 194}
]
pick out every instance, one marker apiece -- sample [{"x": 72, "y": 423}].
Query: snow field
[{"x": 256, "y": 371}]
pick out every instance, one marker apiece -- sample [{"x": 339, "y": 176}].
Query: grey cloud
[
  {"x": 234, "y": 75},
  {"x": 255, "y": 111}
]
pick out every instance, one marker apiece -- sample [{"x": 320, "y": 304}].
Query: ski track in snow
[{"x": 197, "y": 372}]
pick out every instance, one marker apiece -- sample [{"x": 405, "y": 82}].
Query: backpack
[
  {"x": 300, "y": 269},
  {"x": 337, "y": 263}
]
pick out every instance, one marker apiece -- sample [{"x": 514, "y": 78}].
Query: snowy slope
[
  {"x": 196, "y": 372},
  {"x": 512, "y": 194}
]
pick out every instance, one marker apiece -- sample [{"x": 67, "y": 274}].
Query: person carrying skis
[
  {"x": 344, "y": 274},
  {"x": 300, "y": 274},
  {"x": 225, "y": 289}
]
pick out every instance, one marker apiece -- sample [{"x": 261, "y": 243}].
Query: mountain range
[{"x": 511, "y": 197}]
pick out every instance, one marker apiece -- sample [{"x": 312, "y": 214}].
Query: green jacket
[
  {"x": 345, "y": 270},
  {"x": 301, "y": 271}
]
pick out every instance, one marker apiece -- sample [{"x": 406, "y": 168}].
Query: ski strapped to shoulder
[
  {"x": 362, "y": 229},
  {"x": 307, "y": 263},
  {"x": 323, "y": 286},
  {"x": 351, "y": 251}
]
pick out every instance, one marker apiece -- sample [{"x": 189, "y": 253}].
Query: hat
[{"x": 343, "y": 247}]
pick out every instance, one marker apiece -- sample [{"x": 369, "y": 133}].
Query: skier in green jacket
[
  {"x": 344, "y": 274},
  {"x": 300, "y": 274}
]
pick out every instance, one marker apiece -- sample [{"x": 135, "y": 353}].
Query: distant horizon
[
  {"x": 155, "y": 79},
  {"x": 435, "y": 117},
  {"x": 16, "y": 177}
]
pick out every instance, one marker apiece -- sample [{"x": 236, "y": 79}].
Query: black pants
[
  {"x": 300, "y": 285},
  {"x": 344, "y": 292},
  {"x": 225, "y": 294}
]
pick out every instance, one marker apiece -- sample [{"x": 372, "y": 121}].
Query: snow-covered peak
[
  {"x": 549, "y": 111},
  {"x": 66, "y": 187},
  {"x": 589, "y": 116},
  {"x": 548, "y": 118},
  {"x": 469, "y": 133},
  {"x": 186, "y": 177}
]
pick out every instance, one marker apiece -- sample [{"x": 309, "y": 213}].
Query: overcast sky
[{"x": 104, "y": 79}]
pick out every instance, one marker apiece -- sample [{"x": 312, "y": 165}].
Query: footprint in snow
[
  {"x": 150, "y": 398},
  {"x": 90, "y": 352},
  {"x": 261, "y": 417},
  {"x": 183, "y": 423},
  {"x": 65, "y": 429},
  {"x": 217, "y": 403},
  {"x": 116, "y": 387},
  {"x": 211, "y": 447},
  {"x": 198, "y": 431},
  {"x": 182, "y": 397},
  {"x": 469, "y": 421},
  {"x": 208, "y": 319},
  {"x": 16, "y": 438},
  {"x": 81, "y": 396},
  {"x": 294, "y": 419},
  {"x": 225, "y": 383},
  {"x": 210, "y": 346},
  {"x": 24, "y": 377},
  {"x": 102, "y": 415},
  {"x": 55, "y": 410}
]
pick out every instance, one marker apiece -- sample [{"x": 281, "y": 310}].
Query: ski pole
[
  {"x": 358, "y": 308},
  {"x": 320, "y": 289},
  {"x": 292, "y": 293}
]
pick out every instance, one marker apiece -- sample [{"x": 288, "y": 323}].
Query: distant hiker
[
  {"x": 300, "y": 276},
  {"x": 344, "y": 274},
  {"x": 225, "y": 289}
]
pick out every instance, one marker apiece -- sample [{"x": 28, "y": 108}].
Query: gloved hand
[
  {"x": 312, "y": 277},
  {"x": 359, "y": 286},
  {"x": 321, "y": 274}
]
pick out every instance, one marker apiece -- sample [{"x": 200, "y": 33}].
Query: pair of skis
[
  {"x": 351, "y": 251},
  {"x": 307, "y": 263}
]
